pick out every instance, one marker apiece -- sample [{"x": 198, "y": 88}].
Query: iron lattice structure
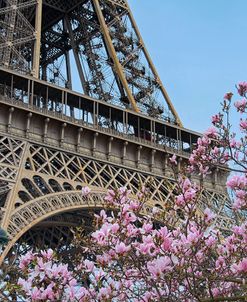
[
  {"x": 103, "y": 41},
  {"x": 46, "y": 198},
  {"x": 120, "y": 131}
]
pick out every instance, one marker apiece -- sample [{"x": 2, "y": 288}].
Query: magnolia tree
[{"x": 135, "y": 256}]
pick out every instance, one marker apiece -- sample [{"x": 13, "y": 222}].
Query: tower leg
[{"x": 37, "y": 44}]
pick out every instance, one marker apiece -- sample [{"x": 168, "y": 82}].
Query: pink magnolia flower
[
  {"x": 237, "y": 182},
  {"x": 98, "y": 274},
  {"x": 147, "y": 228},
  {"x": 189, "y": 194},
  {"x": 159, "y": 266},
  {"x": 216, "y": 151},
  {"x": 166, "y": 239},
  {"x": 26, "y": 259},
  {"x": 89, "y": 265},
  {"x": 239, "y": 204},
  {"x": 243, "y": 124},
  {"x": 228, "y": 96},
  {"x": 25, "y": 284},
  {"x": 212, "y": 132},
  {"x": 233, "y": 143},
  {"x": 85, "y": 191},
  {"x": 242, "y": 88},
  {"x": 241, "y": 105},
  {"x": 129, "y": 218},
  {"x": 215, "y": 292},
  {"x": 110, "y": 196},
  {"x": 48, "y": 293},
  {"x": 173, "y": 159},
  {"x": 135, "y": 205},
  {"x": 115, "y": 227},
  {"x": 132, "y": 230},
  {"x": 47, "y": 254},
  {"x": 241, "y": 267},
  {"x": 147, "y": 297},
  {"x": 216, "y": 119},
  {"x": 104, "y": 259},
  {"x": 145, "y": 248},
  {"x": 83, "y": 294},
  {"x": 210, "y": 241},
  {"x": 220, "y": 263},
  {"x": 186, "y": 184},
  {"x": 203, "y": 170},
  {"x": 209, "y": 215},
  {"x": 104, "y": 293},
  {"x": 193, "y": 236},
  {"x": 35, "y": 294},
  {"x": 240, "y": 230},
  {"x": 156, "y": 210},
  {"x": 121, "y": 248},
  {"x": 180, "y": 200},
  {"x": 242, "y": 194},
  {"x": 100, "y": 236}
]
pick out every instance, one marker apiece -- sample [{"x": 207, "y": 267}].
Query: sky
[{"x": 199, "y": 48}]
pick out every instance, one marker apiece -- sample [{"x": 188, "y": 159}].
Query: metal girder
[
  {"x": 60, "y": 5},
  {"x": 20, "y": 6},
  {"x": 113, "y": 55},
  {"x": 17, "y": 34},
  {"x": 122, "y": 3},
  {"x": 165, "y": 94},
  {"x": 37, "y": 43},
  {"x": 107, "y": 46},
  {"x": 19, "y": 42},
  {"x": 47, "y": 182}
]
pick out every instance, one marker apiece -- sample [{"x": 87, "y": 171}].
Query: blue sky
[{"x": 199, "y": 49}]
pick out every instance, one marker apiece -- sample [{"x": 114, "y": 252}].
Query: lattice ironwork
[
  {"x": 101, "y": 35},
  {"x": 11, "y": 152},
  {"x": 119, "y": 2},
  {"x": 17, "y": 34},
  {"x": 47, "y": 182}
]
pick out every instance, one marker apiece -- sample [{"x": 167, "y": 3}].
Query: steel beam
[
  {"x": 76, "y": 54},
  {"x": 37, "y": 43},
  {"x": 112, "y": 52},
  {"x": 164, "y": 92}
]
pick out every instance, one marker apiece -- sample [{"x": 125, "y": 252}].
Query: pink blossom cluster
[
  {"x": 228, "y": 96},
  {"x": 238, "y": 184},
  {"x": 186, "y": 199},
  {"x": 45, "y": 279},
  {"x": 242, "y": 88},
  {"x": 135, "y": 258},
  {"x": 201, "y": 157},
  {"x": 243, "y": 124},
  {"x": 241, "y": 105},
  {"x": 216, "y": 119},
  {"x": 219, "y": 146}
]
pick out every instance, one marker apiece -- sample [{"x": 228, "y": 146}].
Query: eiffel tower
[{"x": 119, "y": 130}]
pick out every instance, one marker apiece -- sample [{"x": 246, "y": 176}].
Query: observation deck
[{"x": 40, "y": 97}]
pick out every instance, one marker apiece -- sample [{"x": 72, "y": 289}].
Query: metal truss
[
  {"x": 112, "y": 62},
  {"x": 45, "y": 183},
  {"x": 18, "y": 34}
]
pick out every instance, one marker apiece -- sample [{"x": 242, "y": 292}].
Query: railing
[
  {"x": 109, "y": 131},
  {"x": 73, "y": 107}
]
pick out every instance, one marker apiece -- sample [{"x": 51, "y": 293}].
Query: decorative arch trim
[{"x": 35, "y": 211}]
